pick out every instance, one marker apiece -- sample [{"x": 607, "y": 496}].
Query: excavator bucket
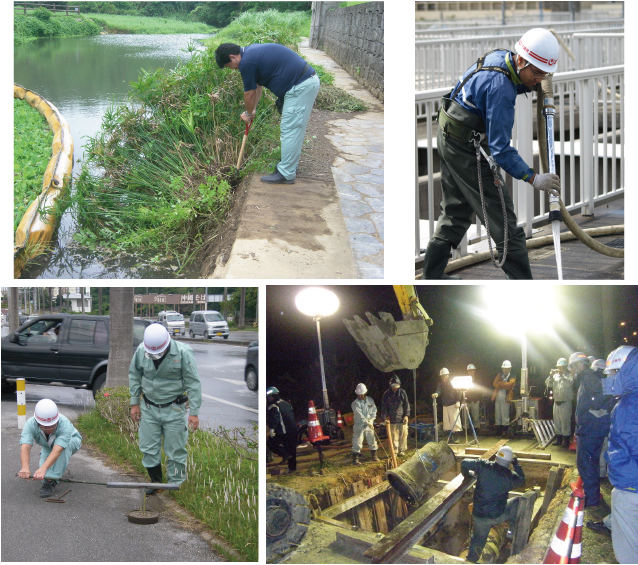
[{"x": 390, "y": 345}]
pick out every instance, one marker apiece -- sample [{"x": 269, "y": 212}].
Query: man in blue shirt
[
  {"x": 481, "y": 107},
  {"x": 287, "y": 76},
  {"x": 59, "y": 440}
]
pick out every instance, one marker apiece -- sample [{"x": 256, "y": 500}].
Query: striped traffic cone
[
  {"x": 573, "y": 444},
  {"x": 566, "y": 545},
  {"x": 340, "y": 420},
  {"x": 577, "y": 484},
  {"x": 315, "y": 433}
]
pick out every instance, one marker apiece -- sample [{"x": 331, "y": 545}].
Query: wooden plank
[
  {"x": 523, "y": 521},
  {"x": 519, "y": 454},
  {"x": 392, "y": 547},
  {"x": 378, "y": 509},
  {"x": 554, "y": 481},
  {"x": 349, "y": 503},
  {"x": 335, "y": 523},
  {"x": 361, "y": 511}
]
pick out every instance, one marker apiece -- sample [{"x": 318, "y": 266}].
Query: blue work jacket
[
  {"x": 593, "y": 408},
  {"x": 492, "y": 96}
]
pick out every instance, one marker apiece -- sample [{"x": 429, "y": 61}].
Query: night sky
[{"x": 461, "y": 334}]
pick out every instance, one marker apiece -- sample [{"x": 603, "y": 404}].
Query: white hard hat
[
  {"x": 591, "y": 358},
  {"x": 540, "y": 48},
  {"x": 156, "y": 339},
  {"x": 361, "y": 389},
  {"x": 562, "y": 362},
  {"x": 470, "y": 367},
  {"x": 598, "y": 365},
  {"x": 578, "y": 356},
  {"x": 617, "y": 357},
  {"x": 46, "y": 412},
  {"x": 504, "y": 456},
  {"x": 506, "y": 365},
  {"x": 444, "y": 371}
]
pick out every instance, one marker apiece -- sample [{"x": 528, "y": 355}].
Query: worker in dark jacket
[
  {"x": 480, "y": 109},
  {"x": 494, "y": 480},
  {"x": 282, "y": 429},
  {"x": 395, "y": 410},
  {"x": 593, "y": 410},
  {"x": 451, "y": 405}
]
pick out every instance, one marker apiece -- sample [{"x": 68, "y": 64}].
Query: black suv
[{"x": 69, "y": 350}]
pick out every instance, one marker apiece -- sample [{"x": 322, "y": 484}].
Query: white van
[
  {"x": 173, "y": 322},
  {"x": 208, "y": 323}
]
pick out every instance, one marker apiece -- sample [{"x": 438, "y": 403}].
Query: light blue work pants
[
  {"x": 563, "y": 418},
  {"x": 298, "y": 104},
  {"x": 358, "y": 432},
  {"x": 624, "y": 525},
  {"x": 170, "y": 423},
  {"x": 61, "y": 463},
  {"x": 501, "y": 412}
]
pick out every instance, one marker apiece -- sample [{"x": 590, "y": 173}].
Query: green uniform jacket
[
  {"x": 177, "y": 374},
  {"x": 62, "y": 435}
]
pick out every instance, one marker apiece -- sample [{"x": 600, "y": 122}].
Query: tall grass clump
[
  {"x": 31, "y": 152},
  {"x": 221, "y": 489},
  {"x": 113, "y": 23},
  {"x": 42, "y": 23}
]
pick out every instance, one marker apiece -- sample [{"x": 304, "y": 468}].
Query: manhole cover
[{"x": 617, "y": 243}]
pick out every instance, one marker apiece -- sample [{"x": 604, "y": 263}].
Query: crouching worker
[
  {"x": 365, "y": 411},
  {"x": 59, "y": 440},
  {"x": 494, "y": 480},
  {"x": 162, "y": 378}
]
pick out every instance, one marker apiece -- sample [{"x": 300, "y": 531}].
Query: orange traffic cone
[
  {"x": 578, "y": 484},
  {"x": 315, "y": 433},
  {"x": 573, "y": 444},
  {"x": 340, "y": 420},
  {"x": 566, "y": 545}
]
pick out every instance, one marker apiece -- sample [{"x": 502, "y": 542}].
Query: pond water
[{"x": 82, "y": 77}]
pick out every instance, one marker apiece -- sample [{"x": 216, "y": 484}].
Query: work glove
[
  {"x": 272, "y": 433},
  {"x": 557, "y": 377},
  {"x": 371, "y": 426},
  {"x": 435, "y": 395},
  {"x": 405, "y": 420},
  {"x": 547, "y": 182}
]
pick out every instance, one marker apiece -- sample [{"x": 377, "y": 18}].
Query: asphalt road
[{"x": 92, "y": 524}]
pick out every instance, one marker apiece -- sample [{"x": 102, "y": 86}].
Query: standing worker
[
  {"x": 481, "y": 106},
  {"x": 282, "y": 429},
  {"x": 562, "y": 385},
  {"x": 291, "y": 79},
  {"x": 59, "y": 440},
  {"x": 502, "y": 396},
  {"x": 592, "y": 426},
  {"x": 162, "y": 378},
  {"x": 365, "y": 411},
  {"x": 494, "y": 480},
  {"x": 474, "y": 398},
  {"x": 395, "y": 410},
  {"x": 450, "y": 401}
]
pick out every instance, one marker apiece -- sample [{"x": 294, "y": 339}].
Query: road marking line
[
  {"x": 231, "y": 381},
  {"x": 231, "y": 403}
]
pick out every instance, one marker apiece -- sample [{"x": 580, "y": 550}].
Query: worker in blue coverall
[
  {"x": 291, "y": 79},
  {"x": 593, "y": 410},
  {"x": 162, "y": 378},
  {"x": 59, "y": 440},
  {"x": 481, "y": 106},
  {"x": 494, "y": 480}
]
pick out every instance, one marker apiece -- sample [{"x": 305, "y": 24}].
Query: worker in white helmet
[
  {"x": 473, "y": 397},
  {"x": 364, "y": 411},
  {"x": 502, "y": 397},
  {"x": 59, "y": 440},
  {"x": 494, "y": 480},
  {"x": 450, "y": 400},
  {"x": 481, "y": 108},
  {"x": 562, "y": 385},
  {"x": 162, "y": 378}
]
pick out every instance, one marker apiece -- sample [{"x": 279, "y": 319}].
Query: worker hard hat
[
  {"x": 591, "y": 358},
  {"x": 395, "y": 380},
  {"x": 598, "y": 365},
  {"x": 156, "y": 339},
  {"x": 443, "y": 371},
  {"x": 46, "y": 412},
  {"x": 562, "y": 362},
  {"x": 504, "y": 456},
  {"x": 578, "y": 356},
  {"x": 470, "y": 367},
  {"x": 540, "y": 48},
  {"x": 361, "y": 389},
  {"x": 506, "y": 365},
  {"x": 272, "y": 390},
  {"x": 617, "y": 357}
]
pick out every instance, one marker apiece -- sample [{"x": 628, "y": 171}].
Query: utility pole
[
  {"x": 121, "y": 335},
  {"x": 14, "y": 317},
  {"x": 242, "y": 308},
  {"x": 82, "y": 298}
]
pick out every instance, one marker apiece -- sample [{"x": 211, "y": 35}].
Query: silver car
[
  {"x": 172, "y": 321},
  {"x": 208, "y": 323}
]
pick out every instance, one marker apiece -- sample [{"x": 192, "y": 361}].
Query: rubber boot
[
  {"x": 355, "y": 459},
  {"x": 373, "y": 453},
  {"x": 155, "y": 473},
  {"x": 566, "y": 442},
  {"x": 516, "y": 265},
  {"x": 436, "y": 257},
  {"x": 560, "y": 440}
]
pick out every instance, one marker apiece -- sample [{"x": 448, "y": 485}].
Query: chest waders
[{"x": 453, "y": 119}]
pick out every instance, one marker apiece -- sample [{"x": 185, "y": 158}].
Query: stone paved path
[{"x": 358, "y": 171}]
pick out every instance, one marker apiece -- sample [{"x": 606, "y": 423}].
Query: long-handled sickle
[{"x": 243, "y": 144}]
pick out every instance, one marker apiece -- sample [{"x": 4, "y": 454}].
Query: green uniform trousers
[
  {"x": 168, "y": 422},
  {"x": 57, "y": 469},
  {"x": 461, "y": 197}
]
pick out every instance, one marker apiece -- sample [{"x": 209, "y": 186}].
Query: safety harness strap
[{"x": 510, "y": 74}]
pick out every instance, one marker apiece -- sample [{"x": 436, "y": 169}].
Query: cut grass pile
[
  {"x": 32, "y": 153},
  {"x": 221, "y": 489}
]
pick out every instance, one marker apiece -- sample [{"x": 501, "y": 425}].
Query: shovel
[
  {"x": 59, "y": 498},
  {"x": 243, "y": 144}
]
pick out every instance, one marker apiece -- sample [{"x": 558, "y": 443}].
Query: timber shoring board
[
  {"x": 392, "y": 547},
  {"x": 554, "y": 481},
  {"x": 378, "y": 507},
  {"x": 355, "y": 500},
  {"x": 519, "y": 454},
  {"x": 523, "y": 520},
  {"x": 363, "y": 515}
]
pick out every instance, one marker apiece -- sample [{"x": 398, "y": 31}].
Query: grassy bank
[
  {"x": 147, "y": 25},
  {"x": 221, "y": 489},
  {"x": 32, "y": 152},
  {"x": 42, "y": 23}
]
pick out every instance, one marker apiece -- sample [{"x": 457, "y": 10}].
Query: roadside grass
[
  {"x": 147, "y": 25},
  {"x": 222, "y": 485},
  {"x": 32, "y": 152}
]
